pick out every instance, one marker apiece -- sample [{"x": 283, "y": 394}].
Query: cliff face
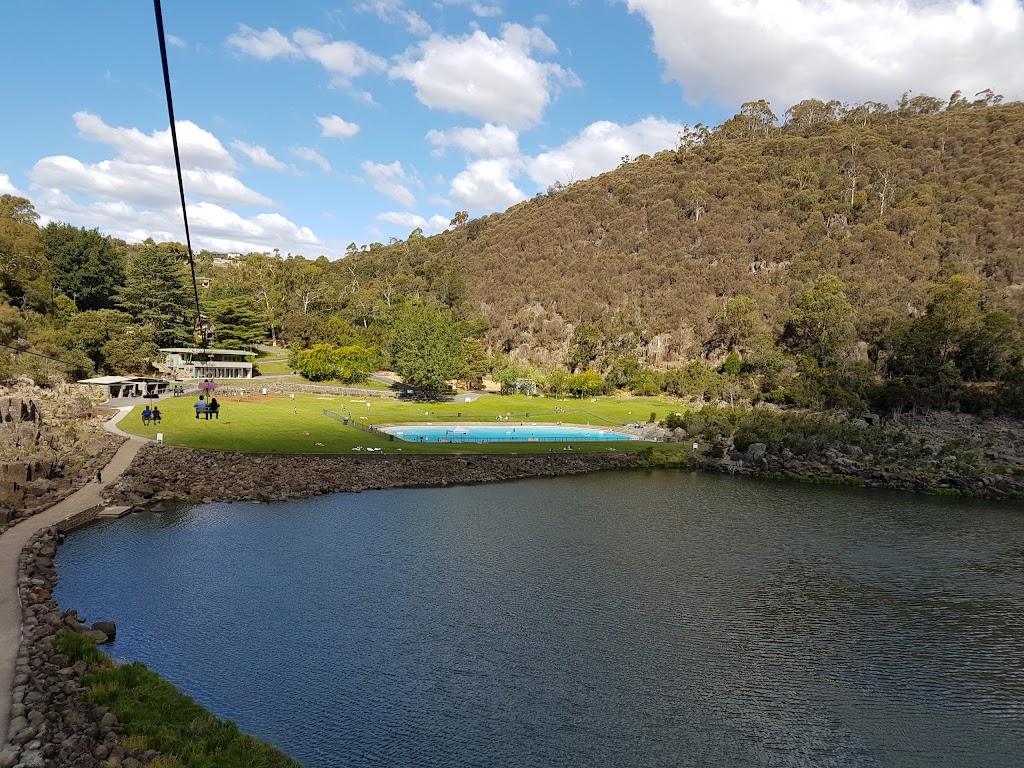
[{"x": 50, "y": 443}]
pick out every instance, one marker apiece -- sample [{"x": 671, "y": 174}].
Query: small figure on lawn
[
  {"x": 146, "y": 415},
  {"x": 200, "y": 406},
  {"x": 156, "y": 415},
  {"x": 213, "y": 408}
]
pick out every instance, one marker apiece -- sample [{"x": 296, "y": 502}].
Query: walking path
[{"x": 15, "y": 539}]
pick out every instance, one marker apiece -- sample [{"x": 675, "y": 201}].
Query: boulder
[
  {"x": 755, "y": 453},
  {"x": 96, "y": 636},
  {"x": 108, "y": 628}
]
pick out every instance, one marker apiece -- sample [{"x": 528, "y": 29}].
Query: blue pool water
[{"x": 499, "y": 433}]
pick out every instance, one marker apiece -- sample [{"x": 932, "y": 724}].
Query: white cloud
[
  {"x": 258, "y": 155},
  {"x": 135, "y": 194},
  {"x": 310, "y": 155},
  {"x": 176, "y": 41},
  {"x": 737, "y": 50},
  {"x": 477, "y": 8},
  {"x": 493, "y": 78},
  {"x": 7, "y": 186},
  {"x": 491, "y": 140},
  {"x": 146, "y": 184},
  {"x": 269, "y": 44},
  {"x": 335, "y": 127},
  {"x": 198, "y": 148},
  {"x": 391, "y": 180},
  {"x": 435, "y": 223},
  {"x": 344, "y": 60},
  {"x": 487, "y": 184},
  {"x": 211, "y": 226},
  {"x": 393, "y": 11},
  {"x": 599, "y": 148},
  {"x": 490, "y": 184}
]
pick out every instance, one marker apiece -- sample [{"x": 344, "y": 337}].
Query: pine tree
[{"x": 155, "y": 293}]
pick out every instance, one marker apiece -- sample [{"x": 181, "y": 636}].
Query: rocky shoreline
[
  {"x": 51, "y": 725},
  {"x": 163, "y": 473}
]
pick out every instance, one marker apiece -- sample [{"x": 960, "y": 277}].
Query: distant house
[{"x": 197, "y": 363}]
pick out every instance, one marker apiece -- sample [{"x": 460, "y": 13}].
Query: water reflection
[{"x": 647, "y": 619}]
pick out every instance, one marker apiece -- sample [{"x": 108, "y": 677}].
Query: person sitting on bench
[
  {"x": 156, "y": 415},
  {"x": 213, "y": 407},
  {"x": 146, "y": 416}
]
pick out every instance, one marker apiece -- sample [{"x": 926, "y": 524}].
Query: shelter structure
[
  {"x": 128, "y": 386},
  {"x": 198, "y": 363}
]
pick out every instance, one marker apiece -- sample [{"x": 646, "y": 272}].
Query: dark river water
[{"x": 619, "y": 619}]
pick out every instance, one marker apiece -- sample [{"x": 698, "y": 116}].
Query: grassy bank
[
  {"x": 279, "y": 424},
  {"x": 155, "y": 715}
]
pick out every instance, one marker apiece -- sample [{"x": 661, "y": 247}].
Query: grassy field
[{"x": 280, "y": 424}]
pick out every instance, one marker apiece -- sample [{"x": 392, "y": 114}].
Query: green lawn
[
  {"x": 273, "y": 366},
  {"x": 285, "y": 425}
]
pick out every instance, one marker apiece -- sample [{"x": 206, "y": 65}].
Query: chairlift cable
[
  {"x": 36, "y": 354},
  {"x": 177, "y": 165}
]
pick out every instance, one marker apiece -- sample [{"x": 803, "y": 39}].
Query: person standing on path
[{"x": 99, "y": 475}]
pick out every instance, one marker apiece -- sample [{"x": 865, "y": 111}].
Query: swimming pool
[{"x": 499, "y": 433}]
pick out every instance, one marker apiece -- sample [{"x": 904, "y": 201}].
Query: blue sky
[{"x": 309, "y": 125}]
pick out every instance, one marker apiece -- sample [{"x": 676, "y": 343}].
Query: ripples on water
[{"x": 629, "y": 619}]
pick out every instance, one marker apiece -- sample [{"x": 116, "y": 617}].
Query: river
[{"x": 617, "y": 619}]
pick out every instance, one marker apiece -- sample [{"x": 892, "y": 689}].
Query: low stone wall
[
  {"x": 50, "y": 724},
  {"x": 160, "y": 472}
]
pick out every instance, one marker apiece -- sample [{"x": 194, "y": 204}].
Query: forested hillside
[
  {"x": 892, "y": 202},
  {"x": 839, "y": 257}
]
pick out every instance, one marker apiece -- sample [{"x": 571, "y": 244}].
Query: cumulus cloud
[
  {"x": 343, "y": 60},
  {"x": 487, "y": 184},
  {"x": 258, "y": 155},
  {"x": 310, "y": 155},
  {"x": 176, "y": 41},
  {"x": 477, "y": 8},
  {"x": 489, "y": 141},
  {"x": 269, "y": 44},
  {"x": 737, "y": 50},
  {"x": 491, "y": 184},
  {"x": 198, "y": 148},
  {"x": 435, "y": 223},
  {"x": 134, "y": 195},
  {"x": 391, "y": 180},
  {"x": 492, "y": 78},
  {"x": 599, "y": 148},
  {"x": 333, "y": 126},
  {"x": 394, "y": 11},
  {"x": 143, "y": 170},
  {"x": 7, "y": 186},
  {"x": 212, "y": 227},
  {"x": 146, "y": 184}
]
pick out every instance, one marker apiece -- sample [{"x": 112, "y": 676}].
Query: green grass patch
[
  {"x": 78, "y": 647},
  {"x": 155, "y": 715},
  {"x": 273, "y": 366},
  {"x": 297, "y": 425}
]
